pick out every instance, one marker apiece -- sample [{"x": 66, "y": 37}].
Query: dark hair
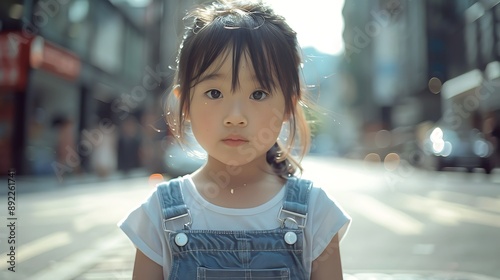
[{"x": 252, "y": 29}]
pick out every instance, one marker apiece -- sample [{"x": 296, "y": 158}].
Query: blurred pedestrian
[
  {"x": 66, "y": 151},
  {"x": 244, "y": 214},
  {"x": 104, "y": 154},
  {"x": 129, "y": 144}
]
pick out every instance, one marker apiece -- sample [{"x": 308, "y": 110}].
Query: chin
[
  {"x": 235, "y": 161},
  {"x": 240, "y": 157}
]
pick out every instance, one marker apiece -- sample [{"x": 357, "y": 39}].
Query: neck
[
  {"x": 242, "y": 186},
  {"x": 231, "y": 176}
]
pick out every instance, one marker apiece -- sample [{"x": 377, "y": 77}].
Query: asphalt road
[{"x": 407, "y": 223}]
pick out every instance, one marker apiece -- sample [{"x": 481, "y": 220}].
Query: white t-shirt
[{"x": 144, "y": 224}]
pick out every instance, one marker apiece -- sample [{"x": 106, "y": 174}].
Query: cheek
[
  {"x": 202, "y": 118},
  {"x": 273, "y": 118},
  {"x": 269, "y": 127}
]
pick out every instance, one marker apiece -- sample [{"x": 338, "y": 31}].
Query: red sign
[
  {"x": 14, "y": 54},
  {"x": 18, "y": 52},
  {"x": 54, "y": 59}
]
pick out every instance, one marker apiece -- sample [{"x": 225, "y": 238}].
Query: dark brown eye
[
  {"x": 213, "y": 94},
  {"x": 259, "y": 95}
]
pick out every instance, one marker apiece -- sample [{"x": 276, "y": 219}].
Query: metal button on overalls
[
  {"x": 290, "y": 238},
  {"x": 181, "y": 239}
]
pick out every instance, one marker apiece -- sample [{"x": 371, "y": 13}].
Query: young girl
[{"x": 244, "y": 214}]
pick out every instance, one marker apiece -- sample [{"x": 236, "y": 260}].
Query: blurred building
[
  {"x": 71, "y": 72},
  {"x": 400, "y": 52}
]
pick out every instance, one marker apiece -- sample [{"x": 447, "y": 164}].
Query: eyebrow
[
  {"x": 217, "y": 75},
  {"x": 211, "y": 76}
]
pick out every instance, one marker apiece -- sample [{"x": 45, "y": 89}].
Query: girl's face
[{"x": 237, "y": 125}]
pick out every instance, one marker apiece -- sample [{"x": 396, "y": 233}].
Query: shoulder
[
  {"x": 152, "y": 201},
  {"x": 178, "y": 181},
  {"x": 171, "y": 189},
  {"x": 326, "y": 218},
  {"x": 322, "y": 202},
  {"x": 319, "y": 201},
  {"x": 314, "y": 191},
  {"x": 150, "y": 208}
]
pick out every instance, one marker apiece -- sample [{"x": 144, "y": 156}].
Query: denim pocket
[{"x": 238, "y": 274}]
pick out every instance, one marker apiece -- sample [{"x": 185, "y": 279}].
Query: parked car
[{"x": 467, "y": 149}]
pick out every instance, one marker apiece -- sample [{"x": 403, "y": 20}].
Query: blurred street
[
  {"x": 409, "y": 117},
  {"x": 407, "y": 223}
]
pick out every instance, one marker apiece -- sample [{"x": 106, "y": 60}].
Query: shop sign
[
  {"x": 14, "y": 53},
  {"x": 18, "y": 52},
  {"x": 54, "y": 59}
]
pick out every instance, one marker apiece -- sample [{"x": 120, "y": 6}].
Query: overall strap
[
  {"x": 296, "y": 201},
  {"x": 172, "y": 202}
]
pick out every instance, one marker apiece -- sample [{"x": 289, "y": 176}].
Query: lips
[{"x": 234, "y": 141}]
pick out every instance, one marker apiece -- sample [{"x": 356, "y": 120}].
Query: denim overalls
[{"x": 243, "y": 254}]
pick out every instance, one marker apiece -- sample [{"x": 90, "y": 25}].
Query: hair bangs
[{"x": 247, "y": 35}]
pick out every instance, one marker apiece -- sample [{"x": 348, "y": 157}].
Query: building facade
[
  {"x": 74, "y": 76},
  {"x": 396, "y": 49}
]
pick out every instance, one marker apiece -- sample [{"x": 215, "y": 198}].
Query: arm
[
  {"x": 328, "y": 264},
  {"x": 145, "y": 268}
]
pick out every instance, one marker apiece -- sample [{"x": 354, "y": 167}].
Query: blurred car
[
  {"x": 467, "y": 149},
  {"x": 180, "y": 160}
]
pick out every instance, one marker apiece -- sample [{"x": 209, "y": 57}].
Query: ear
[{"x": 177, "y": 91}]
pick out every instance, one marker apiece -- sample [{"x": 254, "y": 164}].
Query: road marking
[
  {"x": 69, "y": 210},
  {"x": 352, "y": 171},
  {"x": 388, "y": 217},
  {"x": 91, "y": 220},
  {"x": 37, "y": 247},
  {"x": 483, "y": 202},
  {"x": 455, "y": 213},
  {"x": 488, "y": 203}
]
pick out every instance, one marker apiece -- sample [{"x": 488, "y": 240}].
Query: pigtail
[
  {"x": 281, "y": 165},
  {"x": 280, "y": 158}
]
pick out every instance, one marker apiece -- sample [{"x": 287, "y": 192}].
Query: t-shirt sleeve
[
  {"x": 328, "y": 219},
  {"x": 143, "y": 228}
]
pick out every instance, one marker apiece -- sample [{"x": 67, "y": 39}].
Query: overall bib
[{"x": 242, "y": 254}]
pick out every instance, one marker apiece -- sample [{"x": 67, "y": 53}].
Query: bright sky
[{"x": 318, "y": 23}]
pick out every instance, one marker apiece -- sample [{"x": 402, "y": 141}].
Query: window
[
  {"x": 134, "y": 54},
  {"x": 107, "y": 47},
  {"x": 51, "y": 19},
  {"x": 79, "y": 26}
]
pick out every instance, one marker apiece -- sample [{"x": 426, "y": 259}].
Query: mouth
[{"x": 234, "y": 141}]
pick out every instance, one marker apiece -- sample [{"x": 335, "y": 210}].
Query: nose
[{"x": 235, "y": 116}]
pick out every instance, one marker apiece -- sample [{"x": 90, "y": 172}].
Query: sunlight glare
[{"x": 318, "y": 23}]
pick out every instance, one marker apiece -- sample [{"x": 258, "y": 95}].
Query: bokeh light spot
[{"x": 391, "y": 161}]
